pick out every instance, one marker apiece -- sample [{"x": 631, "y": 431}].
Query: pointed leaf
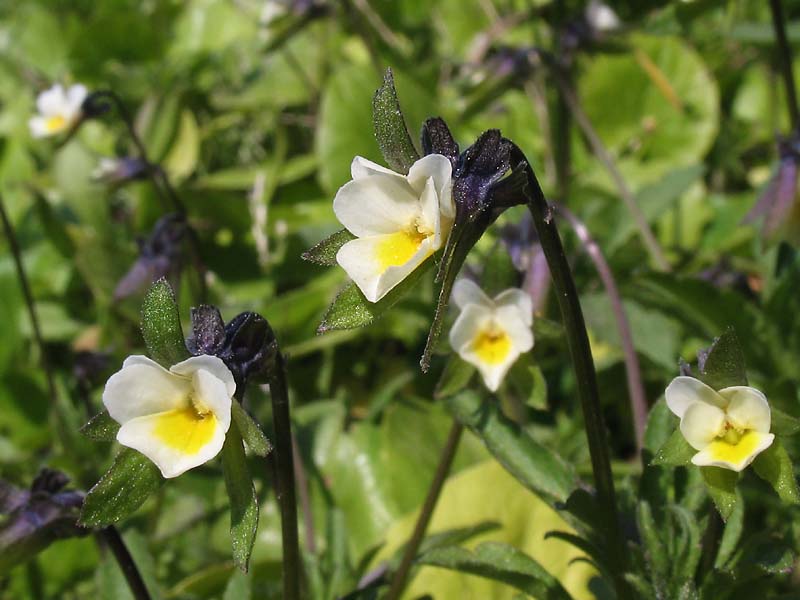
[
  {"x": 775, "y": 467},
  {"x": 101, "y": 428},
  {"x": 731, "y": 534},
  {"x": 456, "y": 376},
  {"x": 655, "y": 549},
  {"x": 250, "y": 431},
  {"x": 123, "y": 489},
  {"x": 390, "y": 127},
  {"x": 676, "y": 452},
  {"x": 500, "y": 562},
  {"x": 161, "y": 325},
  {"x": 324, "y": 253},
  {"x": 721, "y": 486},
  {"x": 242, "y": 495},
  {"x": 783, "y": 423},
  {"x": 723, "y": 365}
]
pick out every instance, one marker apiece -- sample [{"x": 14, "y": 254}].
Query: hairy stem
[
  {"x": 583, "y": 365},
  {"x": 116, "y": 544},
  {"x": 633, "y": 373},
  {"x": 284, "y": 479},
  {"x": 785, "y": 57},
  {"x": 424, "y": 518}
]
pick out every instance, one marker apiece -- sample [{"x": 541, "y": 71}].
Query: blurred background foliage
[{"x": 255, "y": 110}]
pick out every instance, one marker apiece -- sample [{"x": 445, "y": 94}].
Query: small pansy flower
[
  {"x": 399, "y": 220},
  {"x": 178, "y": 418},
  {"x": 59, "y": 109},
  {"x": 491, "y": 333},
  {"x": 729, "y": 427}
]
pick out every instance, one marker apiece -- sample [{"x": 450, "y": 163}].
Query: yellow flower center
[
  {"x": 733, "y": 445},
  {"x": 397, "y": 248},
  {"x": 186, "y": 429},
  {"x": 492, "y": 345},
  {"x": 55, "y": 123}
]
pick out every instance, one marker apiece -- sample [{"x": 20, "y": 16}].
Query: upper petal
[
  {"x": 465, "y": 291},
  {"x": 376, "y": 205},
  {"x": 362, "y": 167},
  {"x": 701, "y": 424},
  {"x": 517, "y": 298},
  {"x": 76, "y": 94},
  {"x": 207, "y": 362},
  {"x": 52, "y": 101},
  {"x": 684, "y": 391},
  {"x": 747, "y": 408},
  {"x": 513, "y": 322},
  {"x": 213, "y": 393},
  {"x": 143, "y": 387},
  {"x": 432, "y": 166}
]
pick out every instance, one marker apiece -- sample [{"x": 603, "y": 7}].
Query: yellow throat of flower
[
  {"x": 397, "y": 248},
  {"x": 55, "y": 123},
  {"x": 492, "y": 345},
  {"x": 733, "y": 445},
  {"x": 186, "y": 429}
]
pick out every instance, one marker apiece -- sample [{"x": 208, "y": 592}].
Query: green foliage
[
  {"x": 724, "y": 364},
  {"x": 390, "y": 128},
  {"x": 242, "y": 496},
  {"x": 161, "y": 325},
  {"x": 101, "y": 428},
  {"x": 775, "y": 467},
  {"x": 324, "y": 253},
  {"x": 721, "y": 486},
  {"x": 676, "y": 452},
  {"x": 250, "y": 431}
]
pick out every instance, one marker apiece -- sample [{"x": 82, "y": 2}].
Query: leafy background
[{"x": 233, "y": 97}]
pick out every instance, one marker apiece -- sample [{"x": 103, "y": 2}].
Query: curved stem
[
  {"x": 785, "y": 57},
  {"x": 284, "y": 479},
  {"x": 127, "y": 565},
  {"x": 424, "y": 518},
  {"x": 583, "y": 365},
  {"x": 633, "y": 373}
]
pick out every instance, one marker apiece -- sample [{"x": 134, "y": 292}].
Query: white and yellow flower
[
  {"x": 398, "y": 220},
  {"x": 729, "y": 427},
  {"x": 177, "y": 418},
  {"x": 491, "y": 333},
  {"x": 59, "y": 109}
]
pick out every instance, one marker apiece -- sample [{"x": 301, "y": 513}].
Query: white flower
[
  {"x": 601, "y": 17},
  {"x": 491, "y": 334},
  {"x": 729, "y": 427},
  {"x": 176, "y": 418},
  {"x": 398, "y": 220},
  {"x": 59, "y": 109}
]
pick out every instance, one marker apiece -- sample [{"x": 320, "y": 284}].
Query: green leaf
[
  {"x": 161, "y": 325},
  {"x": 242, "y": 495},
  {"x": 775, "y": 467},
  {"x": 250, "y": 431},
  {"x": 239, "y": 587},
  {"x": 101, "y": 428},
  {"x": 536, "y": 467},
  {"x": 350, "y": 309},
  {"x": 731, "y": 534},
  {"x": 675, "y": 452},
  {"x": 653, "y": 540},
  {"x": 456, "y": 376},
  {"x": 390, "y": 127},
  {"x": 721, "y": 486},
  {"x": 500, "y": 562},
  {"x": 324, "y": 253},
  {"x": 724, "y": 364},
  {"x": 783, "y": 423},
  {"x": 123, "y": 489}
]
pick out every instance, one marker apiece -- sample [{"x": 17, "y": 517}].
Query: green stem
[
  {"x": 586, "y": 379},
  {"x": 785, "y": 56},
  {"x": 284, "y": 479},
  {"x": 127, "y": 565},
  {"x": 424, "y": 518}
]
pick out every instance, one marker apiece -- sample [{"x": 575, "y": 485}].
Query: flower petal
[
  {"x": 213, "y": 364},
  {"x": 143, "y": 387},
  {"x": 747, "y": 408},
  {"x": 39, "y": 126},
  {"x": 465, "y": 291},
  {"x": 436, "y": 167},
  {"x": 736, "y": 457},
  {"x": 518, "y": 299},
  {"x": 176, "y": 440},
  {"x": 376, "y": 205},
  {"x": 701, "y": 423},
  {"x": 52, "y": 101},
  {"x": 212, "y": 392},
  {"x": 75, "y": 96},
  {"x": 685, "y": 391},
  {"x": 362, "y": 167},
  {"x": 471, "y": 320},
  {"x": 513, "y": 322}
]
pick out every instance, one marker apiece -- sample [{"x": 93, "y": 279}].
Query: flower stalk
[
  {"x": 424, "y": 518},
  {"x": 583, "y": 365},
  {"x": 785, "y": 58},
  {"x": 115, "y": 543}
]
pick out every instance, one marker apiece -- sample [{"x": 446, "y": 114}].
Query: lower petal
[{"x": 736, "y": 457}]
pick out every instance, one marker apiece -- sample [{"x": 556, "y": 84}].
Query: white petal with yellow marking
[
  {"x": 376, "y": 205},
  {"x": 735, "y": 456},
  {"x": 747, "y": 408}
]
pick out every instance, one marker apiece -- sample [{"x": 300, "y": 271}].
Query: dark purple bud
[
  {"x": 437, "y": 139},
  {"x": 95, "y": 105},
  {"x": 208, "y": 331}
]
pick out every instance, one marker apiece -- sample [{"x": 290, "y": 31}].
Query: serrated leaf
[
  {"x": 391, "y": 132},
  {"x": 535, "y": 466},
  {"x": 676, "y": 452},
  {"x": 723, "y": 365},
  {"x": 775, "y": 467},
  {"x": 350, "y": 309},
  {"x": 324, "y": 253},
  {"x": 123, "y": 489},
  {"x": 250, "y": 431},
  {"x": 456, "y": 376},
  {"x": 721, "y": 486},
  {"x": 161, "y": 325},
  {"x": 500, "y": 562},
  {"x": 101, "y": 428},
  {"x": 242, "y": 495}
]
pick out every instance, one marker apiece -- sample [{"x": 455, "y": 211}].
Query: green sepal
[
  {"x": 242, "y": 496},
  {"x": 774, "y": 466},
  {"x": 456, "y": 376},
  {"x": 391, "y": 132},
  {"x": 324, "y": 253},
  {"x": 126, "y": 485},
  {"x": 250, "y": 431},
  {"x": 101, "y": 428},
  {"x": 724, "y": 363},
  {"x": 676, "y": 451},
  {"x": 350, "y": 309},
  {"x": 721, "y": 486},
  {"x": 161, "y": 325},
  {"x": 783, "y": 423}
]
